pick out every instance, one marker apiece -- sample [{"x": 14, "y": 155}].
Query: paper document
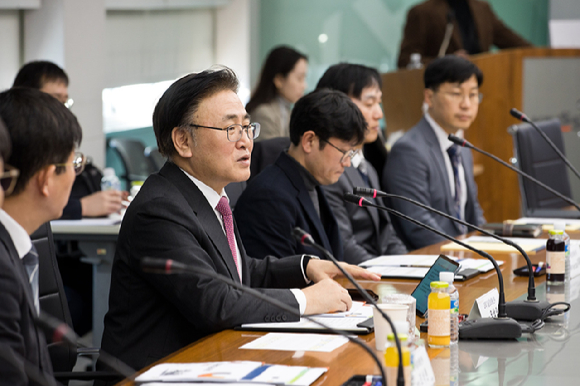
[
  {"x": 489, "y": 244},
  {"x": 284, "y": 341},
  {"x": 344, "y": 321},
  {"x": 401, "y": 261},
  {"x": 248, "y": 372},
  {"x": 548, "y": 223}
]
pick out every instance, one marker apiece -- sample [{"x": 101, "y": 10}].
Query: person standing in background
[
  {"x": 282, "y": 83},
  {"x": 476, "y": 28}
]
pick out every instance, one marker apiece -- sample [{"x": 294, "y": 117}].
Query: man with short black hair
[
  {"x": 182, "y": 213},
  {"x": 44, "y": 137},
  {"x": 366, "y": 232},
  {"x": 426, "y": 166},
  {"x": 326, "y": 129}
]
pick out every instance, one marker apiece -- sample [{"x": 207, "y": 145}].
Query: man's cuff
[
  {"x": 300, "y": 298},
  {"x": 304, "y": 263}
]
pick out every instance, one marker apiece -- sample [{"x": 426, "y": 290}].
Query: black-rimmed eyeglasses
[
  {"x": 8, "y": 179},
  {"x": 234, "y": 132},
  {"x": 79, "y": 161},
  {"x": 345, "y": 153}
]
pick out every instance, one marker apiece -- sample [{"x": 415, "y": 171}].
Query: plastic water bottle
[
  {"x": 415, "y": 61},
  {"x": 110, "y": 181},
  {"x": 448, "y": 277}
]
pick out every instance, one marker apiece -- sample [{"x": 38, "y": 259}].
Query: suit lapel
[
  {"x": 19, "y": 267},
  {"x": 205, "y": 215},
  {"x": 355, "y": 179}
]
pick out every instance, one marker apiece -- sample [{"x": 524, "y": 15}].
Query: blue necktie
[
  {"x": 455, "y": 157},
  {"x": 30, "y": 261}
]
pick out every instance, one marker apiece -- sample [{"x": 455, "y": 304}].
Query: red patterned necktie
[{"x": 223, "y": 207}]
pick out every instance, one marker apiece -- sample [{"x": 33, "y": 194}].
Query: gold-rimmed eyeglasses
[
  {"x": 8, "y": 179},
  {"x": 345, "y": 153},
  {"x": 79, "y": 161},
  {"x": 235, "y": 131}
]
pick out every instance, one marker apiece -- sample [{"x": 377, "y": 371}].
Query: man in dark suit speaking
[
  {"x": 426, "y": 166},
  {"x": 182, "y": 213}
]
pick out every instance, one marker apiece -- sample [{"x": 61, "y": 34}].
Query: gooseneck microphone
[
  {"x": 530, "y": 309},
  {"x": 61, "y": 332},
  {"x": 170, "y": 267},
  {"x": 522, "y": 117},
  {"x": 464, "y": 143},
  {"x": 502, "y": 327},
  {"x": 306, "y": 239}
]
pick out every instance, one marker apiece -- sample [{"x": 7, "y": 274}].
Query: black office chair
[
  {"x": 534, "y": 156},
  {"x": 155, "y": 157},
  {"x": 53, "y": 302},
  {"x": 132, "y": 154}
]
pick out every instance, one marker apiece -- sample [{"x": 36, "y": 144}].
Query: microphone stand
[
  {"x": 522, "y": 117},
  {"x": 464, "y": 143},
  {"x": 529, "y": 309},
  {"x": 305, "y": 238},
  {"x": 168, "y": 266},
  {"x": 501, "y": 327}
]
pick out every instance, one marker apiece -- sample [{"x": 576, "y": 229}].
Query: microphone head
[
  {"x": 518, "y": 115},
  {"x": 157, "y": 265},
  {"x": 358, "y": 200},
  {"x": 364, "y": 192},
  {"x": 459, "y": 141},
  {"x": 302, "y": 236}
]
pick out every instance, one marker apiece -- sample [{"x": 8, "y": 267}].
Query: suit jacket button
[
  {"x": 278, "y": 318},
  {"x": 267, "y": 318},
  {"x": 284, "y": 318}
]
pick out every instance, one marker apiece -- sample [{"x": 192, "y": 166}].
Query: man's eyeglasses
[
  {"x": 79, "y": 161},
  {"x": 8, "y": 179},
  {"x": 345, "y": 154},
  {"x": 235, "y": 131},
  {"x": 457, "y": 97}
]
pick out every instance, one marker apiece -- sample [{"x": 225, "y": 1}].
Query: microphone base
[
  {"x": 490, "y": 328},
  {"x": 526, "y": 310}
]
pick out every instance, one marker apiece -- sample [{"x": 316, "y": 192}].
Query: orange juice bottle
[
  {"x": 439, "y": 316},
  {"x": 392, "y": 359}
]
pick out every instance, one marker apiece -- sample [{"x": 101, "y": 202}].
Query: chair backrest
[
  {"x": 535, "y": 157},
  {"x": 155, "y": 157},
  {"x": 52, "y": 296},
  {"x": 266, "y": 153},
  {"x": 132, "y": 154}
]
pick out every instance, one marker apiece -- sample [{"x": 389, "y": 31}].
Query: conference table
[{"x": 547, "y": 357}]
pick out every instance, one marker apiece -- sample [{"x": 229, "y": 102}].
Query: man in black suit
[
  {"x": 366, "y": 232},
  {"x": 325, "y": 128},
  {"x": 182, "y": 213},
  {"x": 44, "y": 137}
]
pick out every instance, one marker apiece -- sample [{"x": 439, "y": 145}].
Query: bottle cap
[
  {"x": 137, "y": 183},
  {"x": 439, "y": 284},
  {"x": 108, "y": 172},
  {"x": 447, "y": 277},
  {"x": 554, "y": 232},
  {"x": 402, "y": 337}
]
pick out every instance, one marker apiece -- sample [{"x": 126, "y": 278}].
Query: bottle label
[
  {"x": 555, "y": 262},
  {"x": 455, "y": 306},
  {"x": 439, "y": 322}
]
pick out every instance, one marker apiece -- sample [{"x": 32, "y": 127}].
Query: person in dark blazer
[
  {"x": 182, "y": 213},
  {"x": 366, "y": 232},
  {"x": 325, "y": 128},
  {"x": 476, "y": 28},
  {"x": 425, "y": 166},
  {"x": 44, "y": 135}
]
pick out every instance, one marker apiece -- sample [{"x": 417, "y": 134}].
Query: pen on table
[{"x": 539, "y": 267}]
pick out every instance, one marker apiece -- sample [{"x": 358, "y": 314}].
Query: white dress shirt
[
  {"x": 444, "y": 144},
  {"x": 19, "y": 236}
]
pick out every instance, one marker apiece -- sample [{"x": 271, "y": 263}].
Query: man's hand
[
  {"x": 318, "y": 270},
  {"x": 102, "y": 203},
  {"x": 326, "y": 296}
]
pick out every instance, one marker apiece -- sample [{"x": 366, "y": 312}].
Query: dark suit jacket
[
  {"x": 151, "y": 316},
  {"x": 416, "y": 169},
  {"x": 367, "y": 232},
  {"x": 426, "y": 24},
  {"x": 18, "y": 333},
  {"x": 276, "y": 202}
]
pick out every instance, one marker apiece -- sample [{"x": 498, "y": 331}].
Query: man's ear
[
  {"x": 44, "y": 180},
  {"x": 181, "y": 141},
  {"x": 308, "y": 141},
  {"x": 428, "y": 95}
]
